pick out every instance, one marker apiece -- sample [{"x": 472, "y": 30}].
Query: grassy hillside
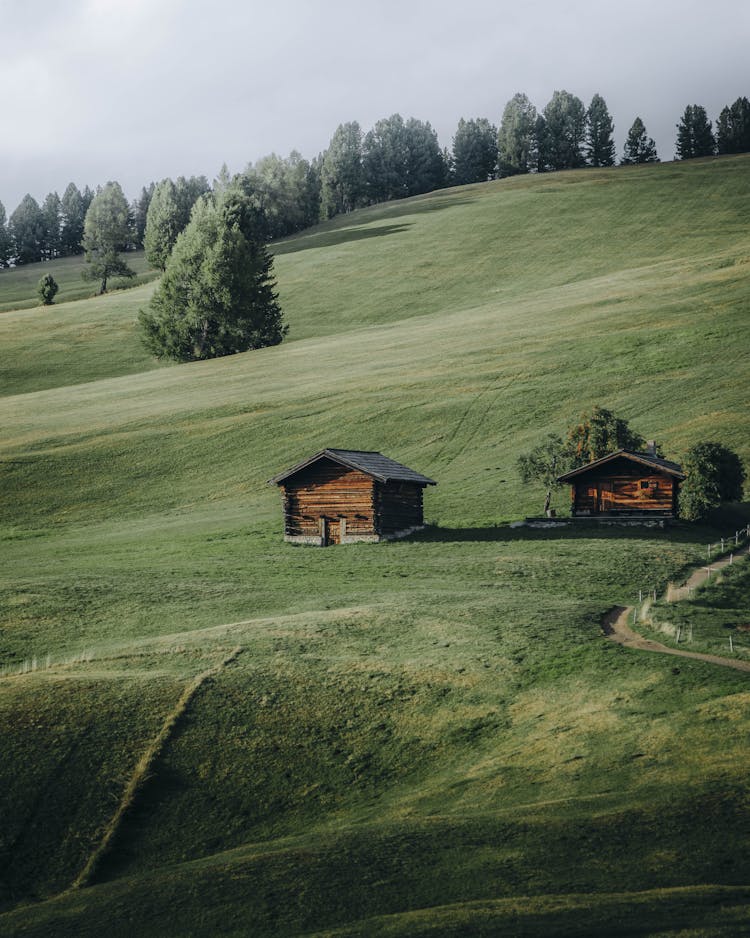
[
  {"x": 18, "y": 285},
  {"x": 424, "y": 737}
]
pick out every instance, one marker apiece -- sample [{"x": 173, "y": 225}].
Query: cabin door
[{"x": 331, "y": 531}]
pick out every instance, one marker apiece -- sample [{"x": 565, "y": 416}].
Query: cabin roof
[
  {"x": 372, "y": 464},
  {"x": 645, "y": 459}
]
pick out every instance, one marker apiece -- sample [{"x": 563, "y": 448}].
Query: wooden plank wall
[
  {"x": 399, "y": 506},
  {"x": 327, "y": 489},
  {"x": 645, "y": 493}
]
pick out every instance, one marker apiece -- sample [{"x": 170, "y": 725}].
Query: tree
[
  {"x": 714, "y": 474},
  {"x": 51, "y": 210},
  {"x": 474, "y": 151},
  {"x": 600, "y": 147},
  {"x": 27, "y": 230},
  {"x": 597, "y": 434},
  {"x": 516, "y": 141},
  {"x": 6, "y": 242},
  {"x": 544, "y": 464},
  {"x": 694, "y": 136},
  {"x": 139, "y": 213},
  {"x": 639, "y": 147},
  {"x": 341, "y": 176},
  {"x": 217, "y": 293},
  {"x": 106, "y": 233},
  {"x": 541, "y": 145},
  {"x": 73, "y": 211},
  {"x": 162, "y": 224},
  {"x": 565, "y": 117},
  {"x": 733, "y": 128},
  {"x": 47, "y": 289},
  {"x": 401, "y": 159},
  {"x": 287, "y": 191}
]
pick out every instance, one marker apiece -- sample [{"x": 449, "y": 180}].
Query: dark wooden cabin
[
  {"x": 625, "y": 484},
  {"x": 341, "y": 496}
]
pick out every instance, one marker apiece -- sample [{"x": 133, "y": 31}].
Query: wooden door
[{"x": 332, "y": 531}]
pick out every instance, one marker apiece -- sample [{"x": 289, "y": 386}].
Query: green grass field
[{"x": 428, "y": 737}]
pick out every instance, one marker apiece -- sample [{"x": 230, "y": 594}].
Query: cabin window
[{"x": 645, "y": 484}]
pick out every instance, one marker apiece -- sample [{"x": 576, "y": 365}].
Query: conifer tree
[
  {"x": 26, "y": 227},
  {"x": 217, "y": 294},
  {"x": 6, "y": 242},
  {"x": 639, "y": 147},
  {"x": 341, "y": 177},
  {"x": 600, "y": 147},
  {"x": 565, "y": 117},
  {"x": 694, "y": 136},
  {"x": 162, "y": 224},
  {"x": 474, "y": 151},
  {"x": 733, "y": 128},
  {"x": 52, "y": 210},
  {"x": 73, "y": 212}
]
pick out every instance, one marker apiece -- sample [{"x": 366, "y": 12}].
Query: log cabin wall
[
  {"x": 398, "y": 507},
  {"x": 328, "y": 490},
  {"x": 624, "y": 487}
]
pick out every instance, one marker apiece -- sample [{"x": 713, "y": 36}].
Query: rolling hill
[{"x": 423, "y": 737}]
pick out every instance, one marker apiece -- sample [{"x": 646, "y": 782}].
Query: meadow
[{"x": 427, "y": 737}]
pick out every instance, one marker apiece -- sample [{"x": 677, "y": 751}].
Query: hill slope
[{"x": 410, "y": 729}]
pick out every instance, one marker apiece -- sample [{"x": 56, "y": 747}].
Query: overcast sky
[{"x": 136, "y": 90}]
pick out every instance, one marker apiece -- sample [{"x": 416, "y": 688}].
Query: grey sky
[{"x": 137, "y": 90}]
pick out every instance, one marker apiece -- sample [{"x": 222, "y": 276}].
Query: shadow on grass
[
  {"x": 675, "y": 533},
  {"x": 327, "y": 239}
]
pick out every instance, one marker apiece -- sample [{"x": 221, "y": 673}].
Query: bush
[
  {"x": 714, "y": 474},
  {"x": 47, "y": 289}
]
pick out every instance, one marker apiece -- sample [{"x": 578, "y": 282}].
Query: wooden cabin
[
  {"x": 341, "y": 496},
  {"x": 625, "y": 484}
]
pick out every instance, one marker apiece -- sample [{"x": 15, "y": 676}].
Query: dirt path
[
  {"x": 616, "y": 627},
  {"x": 698, "y": 577}
]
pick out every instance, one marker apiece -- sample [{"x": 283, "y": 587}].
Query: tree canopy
[
  {"x": 733, "y": 128},
  {"x": 6, "y": 242},
  {"x": 217, "y": 293},
  {"x": 565, "y": 125},
  {"x": 694, "y": 135},
  {"x": 26, "y": 228},
  {"x": 714, "y": 474},
  {"x": 517, "y": 142},
  {"x": 474, "y": 151},
  {"x": 600, "y": 147},
  {"x": 106, "y": 232},
  {"x": 639, "y": 147}
]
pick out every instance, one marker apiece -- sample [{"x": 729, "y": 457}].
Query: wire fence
[{"x": 719, "y": 554}]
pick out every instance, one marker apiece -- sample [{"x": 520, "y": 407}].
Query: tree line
[{"x": 395, "y": 159}]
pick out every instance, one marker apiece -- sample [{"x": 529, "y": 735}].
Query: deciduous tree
[
  {"x": 217, "y": 293},
  {"x": 639, "y": 147},
  {"x": 714, "y": 474},
  {"x": 600, "y": 147},
  {"x": 105, "y": 234},
  {"x": 517, "y": 138},
  {"x": 597, "y": 434}
]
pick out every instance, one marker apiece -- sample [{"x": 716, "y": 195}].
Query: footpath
[{"x": 617, "y": 628}]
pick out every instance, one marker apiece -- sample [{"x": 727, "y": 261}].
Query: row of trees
[
  {"x": 396, "y": 158},
  {"x": 714, "y": 473}
]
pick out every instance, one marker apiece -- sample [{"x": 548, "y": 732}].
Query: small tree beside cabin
[{"x": 344, "y": 496}]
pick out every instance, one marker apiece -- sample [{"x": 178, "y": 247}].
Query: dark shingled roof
[
  {"x": 646, "y": 459},
  {"x": 373, "y": 464}
]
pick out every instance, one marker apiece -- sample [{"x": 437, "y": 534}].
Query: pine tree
[
  {"x": 162, "y": 224},
  {"x": 733, "y": 128},
  {"x": 474, "y": 151},
  {"x": 52, "y": 210},
  {"x": 73, "y": 210},
  {"x": 217, "y": 293},
  {"x": 341, "y": 176},
  {"x": 26, "y": 227},
  {"x": 105, "y": 233},
  {"x": 47, "y": 289},
  {"x": 694, "y": 136},
  {"x": 639, "y": 147},
  {"x": 6, "y": 242},
  {"x": 139, "y": 211},
  {"x": 565, "y": 117},
  {"x": 600, "y": 147}
]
